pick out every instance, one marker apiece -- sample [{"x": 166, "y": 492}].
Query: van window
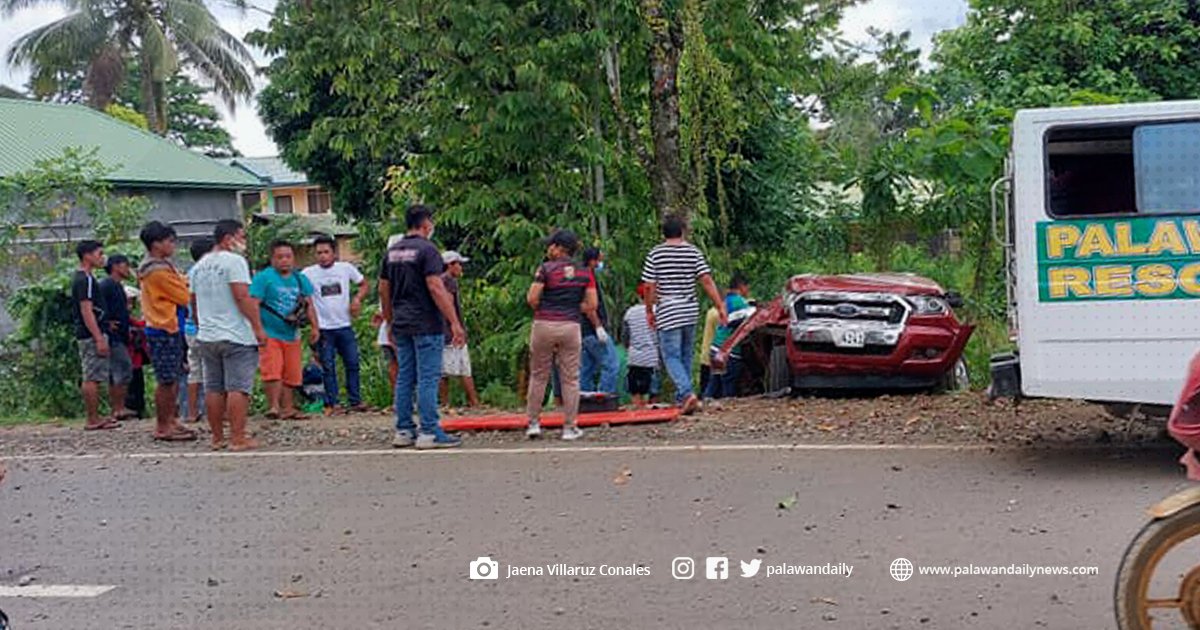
[
  {"x": 1090, "y": 171},
  {"x": 1167, "y": 168},
  {"x": 1108, "y": 170}
]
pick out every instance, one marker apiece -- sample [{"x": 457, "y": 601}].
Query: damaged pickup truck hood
[{"x": 900, "y": 283}]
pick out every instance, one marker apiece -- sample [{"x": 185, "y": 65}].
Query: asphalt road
[{"x": 385, "y": 540}]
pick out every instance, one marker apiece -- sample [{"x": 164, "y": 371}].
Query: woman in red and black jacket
[{"x": 562, "y": 291}]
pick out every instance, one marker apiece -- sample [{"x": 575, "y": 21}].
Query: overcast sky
[{"x": 922, "y": 17}]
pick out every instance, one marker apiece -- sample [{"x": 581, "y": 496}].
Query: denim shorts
[{"x": 120, "y": 365}]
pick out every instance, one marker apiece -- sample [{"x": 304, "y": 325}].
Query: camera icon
[
  {"x": 683, "y": 568},
  {"x": 484, "y": 568}
]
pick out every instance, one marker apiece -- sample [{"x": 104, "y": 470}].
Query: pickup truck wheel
[
  {"x": 956, "y": 379},
  {"x": 779, "y": 372}
]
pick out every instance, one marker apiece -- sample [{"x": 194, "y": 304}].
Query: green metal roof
[
  {"x": 31, "y": 131},
  {"x": 272, "y": 171}
]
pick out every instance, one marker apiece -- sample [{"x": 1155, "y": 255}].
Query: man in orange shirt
[{"x": 165, "y": 297}]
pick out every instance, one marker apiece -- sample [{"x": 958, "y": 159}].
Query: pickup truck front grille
[{"x": 861, "y": 307}]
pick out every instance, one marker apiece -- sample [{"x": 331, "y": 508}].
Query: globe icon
[{"x": 901, "y": 569}]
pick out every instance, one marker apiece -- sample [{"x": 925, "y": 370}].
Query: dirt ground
[{"x": 922, "y": 419}]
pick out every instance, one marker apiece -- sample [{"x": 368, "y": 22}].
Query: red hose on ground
[{"x": 516, "y": 421}]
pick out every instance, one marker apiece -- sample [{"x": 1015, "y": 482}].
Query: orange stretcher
[{"x": 515, "y": 421}]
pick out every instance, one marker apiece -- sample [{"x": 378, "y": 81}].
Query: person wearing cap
[
  {"x": 116, "y": 305},
  {"x": 456, "y": 360},
  {"x": 562, "y": 291},
  {"x": 333, "y": 280},
  {"x": 415, "y": 301},
  {"x": 600, "y": 363}
]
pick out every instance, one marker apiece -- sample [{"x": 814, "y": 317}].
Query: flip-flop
[
  {"x": 176, "y": 437},
  {"x": 248, "y": 445},
  {"x": 271, "y": 415},
  {"x": 126, "y": 415},
  {"x": 218, "y": 446},
  {"x": 103, "y": 426},
  {"x": 295, "y": 416},
  {"x": 179, "y": 428}
]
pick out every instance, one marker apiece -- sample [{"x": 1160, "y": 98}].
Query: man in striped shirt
[{"x": 671, "y": 271}]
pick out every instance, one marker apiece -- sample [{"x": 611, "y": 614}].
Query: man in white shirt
[
  {"x": 332, "y": 281},
  {"x": 229, "y": 331}
]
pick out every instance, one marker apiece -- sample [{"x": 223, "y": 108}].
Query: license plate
[{"x": 853, "y": 339}]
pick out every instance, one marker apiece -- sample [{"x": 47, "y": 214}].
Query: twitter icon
[{"x": 750, "y": 569}]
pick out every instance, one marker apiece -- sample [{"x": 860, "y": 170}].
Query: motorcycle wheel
[{"x": 1156, "y": 539}]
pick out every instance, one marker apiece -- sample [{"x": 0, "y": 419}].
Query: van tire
[{"x": 779, "y": 371}]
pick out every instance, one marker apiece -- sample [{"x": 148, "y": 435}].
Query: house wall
[
  {"x": 298, "y": 194},
  {"x": 192, "y": 212}
]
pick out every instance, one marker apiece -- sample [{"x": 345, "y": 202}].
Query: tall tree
[
  {"x": 513, "y": 103},
  {"x": 191, "y": 121},
  {"x": 162, "y": 35},
  {"x": 1045, "y": 52}
]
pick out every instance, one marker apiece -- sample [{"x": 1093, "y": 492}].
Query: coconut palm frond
[
  {"x": 158, "y": 51},
  {"x": 219, "y": 66},
  {"x": 9, "y": 7},
  {"x": 189, "y": 19},
  {"x": 66, "y": 42}
]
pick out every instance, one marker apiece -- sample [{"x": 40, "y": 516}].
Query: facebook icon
[{"x": 716, "y": 568}]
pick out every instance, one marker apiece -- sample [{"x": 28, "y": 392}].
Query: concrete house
[
  {"x": 188, "y": 190},
  {"x": 285, "y": 192}
]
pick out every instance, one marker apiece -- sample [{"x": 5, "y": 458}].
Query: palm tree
[{"x": 163, "y": 35}]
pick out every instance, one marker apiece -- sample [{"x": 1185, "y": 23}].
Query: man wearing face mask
[
  {"x": 599, "y": 359},
  {"x": 229, "y": 331}
]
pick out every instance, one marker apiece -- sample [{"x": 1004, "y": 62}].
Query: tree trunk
[
  {"x": 160, "y": 107},
  {"x": 668, "y": 179},
  {"x": 146, "y": 85}
]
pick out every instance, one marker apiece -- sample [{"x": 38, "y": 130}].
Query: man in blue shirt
[{"x": 285, "y": 302}]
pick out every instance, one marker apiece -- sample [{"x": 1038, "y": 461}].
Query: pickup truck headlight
[{"x": 928, "y": 305}]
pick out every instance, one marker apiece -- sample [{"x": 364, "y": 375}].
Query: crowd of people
[{"x": 209, "y": 333}]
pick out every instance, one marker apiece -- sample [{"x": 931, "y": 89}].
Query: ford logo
[{"x": 846, "y": 310}]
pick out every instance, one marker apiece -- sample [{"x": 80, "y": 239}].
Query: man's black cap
[{"x": 565, "y": 239}]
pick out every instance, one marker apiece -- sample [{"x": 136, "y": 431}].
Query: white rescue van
[{"x": 1099, "y": 217}]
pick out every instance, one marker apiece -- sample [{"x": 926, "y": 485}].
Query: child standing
[{"x": 643, "y": 352}]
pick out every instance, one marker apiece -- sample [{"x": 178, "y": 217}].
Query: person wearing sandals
[
  {"x": 90, "y": 323},
  {"x": 285, "y": 299},
  {"x": 116, "y": 305},
  {"x": 229, "y": 333},
  {"x": 562, "y": 292},
  {"x": 165, "y": 297}
]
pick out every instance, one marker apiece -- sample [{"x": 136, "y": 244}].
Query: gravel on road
[{"x": 966, "y": 418}]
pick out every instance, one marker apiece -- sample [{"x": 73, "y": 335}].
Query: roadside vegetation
[{"x": 790, "y": 149}]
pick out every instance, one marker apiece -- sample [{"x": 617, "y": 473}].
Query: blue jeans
[
  {"x": 419, "y": 358},
  {"x": 599, "y": 358},
  {"x": 676, "y": 347},
  {"x": 725, "y": 385},
  {"x": 334, "y": 343}
]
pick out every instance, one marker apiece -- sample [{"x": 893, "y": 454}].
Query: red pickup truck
[{"x": 860, "y": 331}]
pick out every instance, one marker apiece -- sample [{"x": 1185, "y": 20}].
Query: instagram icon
[{"x": 683, "y": 568}]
